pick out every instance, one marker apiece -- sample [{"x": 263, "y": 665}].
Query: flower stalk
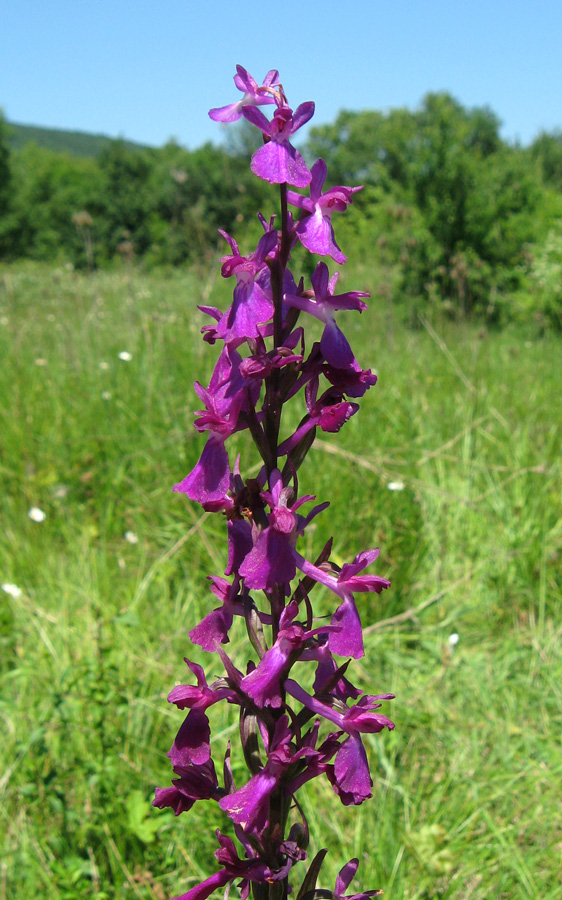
[{"x": 292, "y": 728}]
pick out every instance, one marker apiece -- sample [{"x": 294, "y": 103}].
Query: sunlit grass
[{"x": 96, "y": 404}]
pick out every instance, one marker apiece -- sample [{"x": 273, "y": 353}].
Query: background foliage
[
  {"x": 111, "y": 251},
  {"x": 458, "y": 217},
  {"x": 466, "y": 419}
]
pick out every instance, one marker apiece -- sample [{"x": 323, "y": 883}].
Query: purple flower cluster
[{"x": 289, "y": 734}]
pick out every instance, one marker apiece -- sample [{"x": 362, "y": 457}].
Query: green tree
[
  {"x": 125, "y": 198},
  {"x": 50, "y": 189},
  {"x": 6, "y": 191},
  {"x": 546, "y": 149}
]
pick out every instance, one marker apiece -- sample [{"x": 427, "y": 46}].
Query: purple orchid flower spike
[
  {"x": 333, "y": 344},
  {"x": 253, "y": 95},
  {"x": 314, "y": 230},
  {"x": 278, "y": 161},
  {"x": 263, "y": 364}
]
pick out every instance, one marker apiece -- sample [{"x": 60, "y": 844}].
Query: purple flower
[
  {"x": 344, "y": 690},
  {"x": 195, "y": 783},
  {"x": 209, "y": 481},
  {"x": 192, "y": 743},
  {"x": 272, "y": 560},
  {"x": 214, "y": 628},
  {"x": 349, "y": 640},
  {"x": 350, "y": 776},
  {"x": 228, "y": 395},
  {"x": 263, "y": 684},
  {"x": 277, "y": 161},
  {"x": 249, "y": 806},
  {"x": 333, "y": 344},
  {"x": 330, "y": 413},
  {"x": 314, "y": 230},
  {"x": 261, "y": 363},
  {"x": 250, "y": 870},
  {"x": 252, "y": 304},
  {"x": 199, "y": 696},
  {"x": 253, "y": 95},
  {"x": 352, "y": 381}
]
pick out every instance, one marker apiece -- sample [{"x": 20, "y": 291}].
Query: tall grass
[{"x": 467, "y": 794}]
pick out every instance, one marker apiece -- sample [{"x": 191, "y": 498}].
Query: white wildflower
[
  {"x": 125, "y": 356},
  {"x": 395, "y": 485},
  {"x": 131, "y": 537},
  {"x": 453, "y": 639},
  {"x": 13, "y": 590},
  {"x": 36, "y": 514}
]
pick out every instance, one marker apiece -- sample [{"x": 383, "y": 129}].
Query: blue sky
[{"x": 149, "y": 70}]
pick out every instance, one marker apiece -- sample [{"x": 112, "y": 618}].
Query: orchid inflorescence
[{"x": 268, "y": 581}]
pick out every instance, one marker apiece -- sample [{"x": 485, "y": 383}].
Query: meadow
[{"x": 452, "y": 468}]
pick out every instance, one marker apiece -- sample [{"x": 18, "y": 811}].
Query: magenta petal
[
  {"x": 191, "y": 746},
  {"x": 316, "y": 233},
  {"x": 332, "y": 418},
  {"x": 257, "y": 118},
  {"x": 212, "y": 629},
  {"x": 239, "y": 544},
  {"x": 280, "y": 163},
  {"x": 209, "y": 481},
  {"x": 361, "y": 561},
  {"x": 319, "y": 171},
  {"x": 351, "y": 770},
  {"x": 263, "y": 684},
  {"x": 348, "y": 641},
  {"x": 335, "y": 346},
  {"x": 249, "y": 805},
  {"x": 173, "y": 798},
  {"x": 207, "y": 887},
  {"x": 251, "y": 307},
  {"x": 301, "y": 115},
  {"x": 346, "y": 876},
  {"x": 230, "y": 113},
  {"x": 271, "y": 561},
  {"x": 244, "y": 81}
]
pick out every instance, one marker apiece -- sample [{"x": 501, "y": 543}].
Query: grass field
[{"x": 98, "y": 597}]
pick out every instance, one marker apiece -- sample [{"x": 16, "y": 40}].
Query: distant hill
[{"x": 76, "y": 143}]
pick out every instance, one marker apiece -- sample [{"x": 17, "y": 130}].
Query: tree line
[{"x": 450, "y": 212}]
